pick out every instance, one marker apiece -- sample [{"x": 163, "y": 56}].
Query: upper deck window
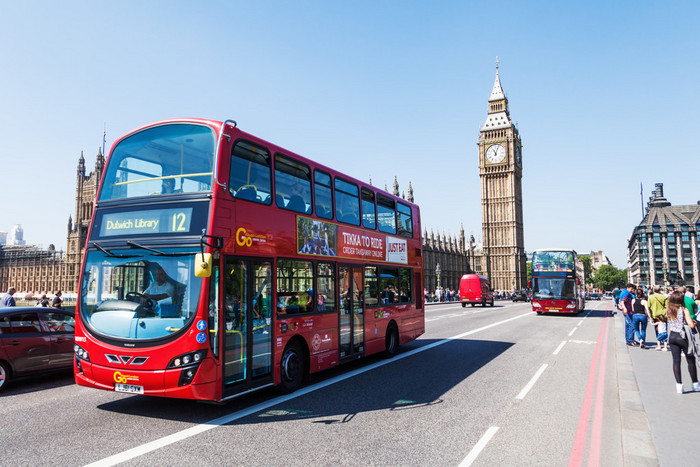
[
  {"x": 405, "y": 220},
  {"x": 369, "y": 217},
  {"x": 347, "y": 202},
  {"x": 386, "y": 213},
  {"x": 323, "y": 195},
  {"x": 166, "y": 159},
  {"x": 250, "y": 173},
  {"x": 292, "y": 184}
]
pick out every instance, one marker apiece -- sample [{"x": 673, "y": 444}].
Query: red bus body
[
  {"x": 475, "y": 289},
  {"x": 282, "y": 300},
  {"x": 557, "y": 278}
]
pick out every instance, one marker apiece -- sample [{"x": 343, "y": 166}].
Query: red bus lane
[{"x": 596, "y": 381}]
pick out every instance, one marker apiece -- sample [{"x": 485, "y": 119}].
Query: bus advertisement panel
[
  {"x": 218, "y": 263},
  {"x": 557, "y": 286}
]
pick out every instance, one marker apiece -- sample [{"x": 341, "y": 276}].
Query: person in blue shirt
[{"x": 626, "y": 297}]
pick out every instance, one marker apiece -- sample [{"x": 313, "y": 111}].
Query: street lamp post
[{"x": 437, "y": 273}]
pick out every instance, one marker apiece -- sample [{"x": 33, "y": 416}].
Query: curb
[{"x": 637, "y": 444}]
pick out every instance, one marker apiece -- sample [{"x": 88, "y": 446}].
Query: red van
[{"x": 474, "y": 289}]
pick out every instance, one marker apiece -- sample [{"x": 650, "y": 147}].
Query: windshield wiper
[
  {"x": 109, "y": 253},
  {"x": 157, "y": 252}
]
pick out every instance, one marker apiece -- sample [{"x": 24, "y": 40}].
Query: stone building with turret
[
  {"x": 454, "y": 255},
  {"x": 30, "y": 269}
]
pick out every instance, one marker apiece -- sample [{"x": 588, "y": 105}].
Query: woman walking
[
  {"x": 678, "y": 317},
  {"x": 640, "y": 316}
]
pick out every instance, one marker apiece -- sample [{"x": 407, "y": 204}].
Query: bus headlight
[
  {"x": 187, "y": 359},
  {"x": 536, "y": 304},
  {"x": 81, "y": 353}
]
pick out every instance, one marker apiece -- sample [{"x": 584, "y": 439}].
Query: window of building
[
  {"x": 386, "y": 214},
  {"x": 250, "y": 173},
  {"x": 323, "y": 195},
  {"x": 369, "y": 217},
  {"x": 404, "y": 221},
  {"x": 347, "y": 202},
  {"x": 294, "y": 286},
  {"x": 292, "y": 184}
]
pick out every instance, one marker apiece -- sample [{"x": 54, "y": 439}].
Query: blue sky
[{"x": 604, "y": 94}]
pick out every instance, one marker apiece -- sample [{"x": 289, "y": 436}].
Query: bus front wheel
[{"x": 292, "y": 367}]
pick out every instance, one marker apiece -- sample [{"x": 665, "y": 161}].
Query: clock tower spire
[{"x": 500, "y": 173}]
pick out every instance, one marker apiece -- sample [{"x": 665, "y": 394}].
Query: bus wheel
[
  {"x": 539, "y": 313},
  {"x": 492, "y": 301},
  {"x": 292, "y": 367},
  {"x": 392, "y": 341},
  {"x": 464, "y": 305},
  {"x": 473, "y": 304},
  {"x": 483, "y": 303},
  {"x": 4, "y": 375}
]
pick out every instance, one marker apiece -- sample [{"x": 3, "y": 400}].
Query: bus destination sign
[{"x": 153, "y": 222}]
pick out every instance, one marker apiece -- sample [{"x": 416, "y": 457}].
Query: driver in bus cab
[{"x": 160, "y": 290}]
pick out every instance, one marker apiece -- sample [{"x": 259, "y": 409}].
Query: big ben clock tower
[{"x": 500, "y": 172}]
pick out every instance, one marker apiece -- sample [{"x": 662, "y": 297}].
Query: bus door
[
  {"x": 352, "y": 316},
  {"x": 247, "y": 329}
]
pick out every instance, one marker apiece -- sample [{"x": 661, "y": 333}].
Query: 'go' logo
[
  {"x": 242, "y": 238},
  {"x": 120, "y": 378}
]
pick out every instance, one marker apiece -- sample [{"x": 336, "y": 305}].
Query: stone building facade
[
  {"x": 664, "y": 248},
  {"x": 30, "y": 269}
]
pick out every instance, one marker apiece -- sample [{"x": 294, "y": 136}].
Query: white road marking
[
  {"x": 480, "y": 445},
  {"x": 572, "y": 332},
  {"x": 532, "y": 382},
  {"x": 201, "y": 428},
  {"x": 559, "y": 348}
]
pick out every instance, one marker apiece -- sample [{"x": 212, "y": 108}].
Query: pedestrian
[
  {"x": 57, "y": 300},
  {"x": 43, "y": 301},
  {"x": 661, "y": 328},
  {"x": 626, "y": 298},
  {"x": 616, "y": 296},
  {"x": 689, "y": 302},
  {"x": 657, "y": 303},
  {"x": 678, "y": 318},
  {"x": 8, "y": 299},
  {"x": 640, "y": 316}
]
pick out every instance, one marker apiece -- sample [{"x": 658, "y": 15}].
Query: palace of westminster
[{"x": 500, "y": 255}]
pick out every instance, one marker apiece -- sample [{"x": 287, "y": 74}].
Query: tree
[
  {"x": 586, "y": 260},
  {"x": 608, "y": 277},
  {"x": 528, "y": 268}
]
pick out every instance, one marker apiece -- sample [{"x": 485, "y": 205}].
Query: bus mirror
[{"x": 202, "y": 265}]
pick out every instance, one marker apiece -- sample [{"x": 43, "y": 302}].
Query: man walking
[
  {"x": 626, "y": 297},
  {"x": 657, "y": 306},
  {"x": 8, "y": 300}
]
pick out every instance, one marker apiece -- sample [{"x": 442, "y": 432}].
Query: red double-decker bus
[
  {"x": 218, "y": 263},
  {"x": 557, "y": 281}
]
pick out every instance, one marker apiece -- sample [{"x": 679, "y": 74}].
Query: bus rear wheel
[
  {"x": 292, "y": 367},
  {"x": 392, "y": 341},
  {"x": 464, "y": 305}
]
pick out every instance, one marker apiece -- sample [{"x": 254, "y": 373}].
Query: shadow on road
[
  {"x": 416, "y": 381},
  {"x": 29, "y": 384}
]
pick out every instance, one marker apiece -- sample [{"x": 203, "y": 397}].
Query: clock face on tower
[{"x": 495, "y": 153}]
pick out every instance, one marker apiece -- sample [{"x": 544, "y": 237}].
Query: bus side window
[
  {"x": 295, "y": 292},
  {"x": 386, "y": 214},
  {"x": 369, "y": 218},
  {"x": 347, "y": 202},
  {"x": 250, "y": 173},
  {"x": 323, "y": 195},
  {"x": 292, "y": 184}
]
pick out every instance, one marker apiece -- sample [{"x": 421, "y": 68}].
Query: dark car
[
  {"x": 34, "y": 340},
  {"x": 596, "y": 296},
  {"x": 519, "y": 297}
]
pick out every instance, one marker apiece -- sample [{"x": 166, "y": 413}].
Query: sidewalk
[{"x": 659, "y": 426}]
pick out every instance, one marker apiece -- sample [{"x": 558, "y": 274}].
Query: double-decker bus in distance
[
  {"x": 218, "y": 263},
  {"x": 557, "y": 281}
]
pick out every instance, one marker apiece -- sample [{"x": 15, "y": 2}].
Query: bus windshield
[
  {"x": 166, "y": 159},
  {"x": 553, "y": 261},
  {"x": 556, "y": 289},
  {"x": 138, "y": 294}
]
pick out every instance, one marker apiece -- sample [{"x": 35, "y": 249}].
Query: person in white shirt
[{"x": 160, "y": 290}]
